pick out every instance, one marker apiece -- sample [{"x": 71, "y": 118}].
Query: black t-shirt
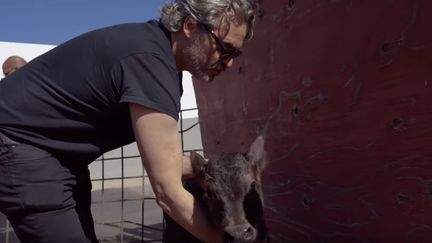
[{"x": 73, "y": 100}]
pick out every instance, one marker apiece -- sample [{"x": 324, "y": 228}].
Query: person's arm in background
[{"x": 159, "y": 145}]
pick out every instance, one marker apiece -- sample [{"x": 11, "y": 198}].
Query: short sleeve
[{"x": 149, "y": 80}]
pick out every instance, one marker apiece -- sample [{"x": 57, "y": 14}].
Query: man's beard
[{"x": 196, "y": 54}]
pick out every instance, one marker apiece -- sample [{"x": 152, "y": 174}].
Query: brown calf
[{"x": 230, "y": 188}]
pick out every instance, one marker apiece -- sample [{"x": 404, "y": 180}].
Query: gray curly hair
[{"x": 210, "y": 13}]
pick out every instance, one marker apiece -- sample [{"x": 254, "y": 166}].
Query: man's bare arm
[
  {"x": 159, "y": 145},
  {"x": 187, "y": 169}
]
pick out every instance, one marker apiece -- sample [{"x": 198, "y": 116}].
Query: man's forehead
[
  {"x": 235, "y": 33},
  {"x": 13, "y": 62},
  {"x": 11, "y": 66}
]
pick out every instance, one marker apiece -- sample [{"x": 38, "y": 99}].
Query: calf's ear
[
  {"x": 256, "y": 154},
  {"x": 198, "y": 165}
]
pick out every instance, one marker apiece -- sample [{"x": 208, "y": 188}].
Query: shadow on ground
[{"x": 152, "y": 233}]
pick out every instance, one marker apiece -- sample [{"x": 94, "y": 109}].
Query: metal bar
[
  {"x": 122, "y": 196},
  {"x": 181, "y": 129},
  {"x": 7, "y": 231},
  {"x": 102, "y": 197},
  {"x": 117, "y": 178}
]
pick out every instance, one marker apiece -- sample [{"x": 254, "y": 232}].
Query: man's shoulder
[
  {"x": 142, "y": 37},
  {"x": 150, "y": 29}
]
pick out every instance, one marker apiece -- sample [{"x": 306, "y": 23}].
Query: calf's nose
[{"x": 240, "y": 234}]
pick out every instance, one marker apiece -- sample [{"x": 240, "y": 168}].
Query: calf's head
[{"x": 233, "y": 192}]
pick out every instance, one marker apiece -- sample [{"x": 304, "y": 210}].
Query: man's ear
[
  {"x": 198, "y": 164},
  {"x": 256, "y": 154},
  {"x": 189, "y": 26}
]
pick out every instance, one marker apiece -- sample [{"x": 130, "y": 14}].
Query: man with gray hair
[{"x": 102, "y": 90}]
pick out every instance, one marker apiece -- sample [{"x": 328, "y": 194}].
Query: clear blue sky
[{"x": 56, "y": 21}]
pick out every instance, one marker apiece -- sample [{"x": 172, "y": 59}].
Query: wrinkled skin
[{"x": 232, "y": 192}]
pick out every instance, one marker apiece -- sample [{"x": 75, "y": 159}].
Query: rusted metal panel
[{"x": 342, "y": 91}]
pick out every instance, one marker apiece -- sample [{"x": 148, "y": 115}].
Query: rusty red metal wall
[{"x": 342, "y": 91}]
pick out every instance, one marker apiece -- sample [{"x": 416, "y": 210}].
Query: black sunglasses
[{"x": 227, "y": 50}]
